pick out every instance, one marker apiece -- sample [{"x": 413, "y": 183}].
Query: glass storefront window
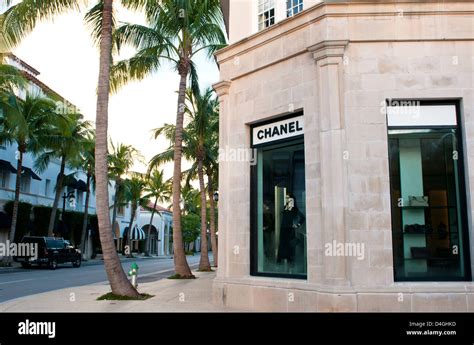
[
  {"x": 280, "y": 210},
  {"x": 428, "y": 204}
]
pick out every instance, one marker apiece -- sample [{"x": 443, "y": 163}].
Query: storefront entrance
[{"x": 279, "y": 202}]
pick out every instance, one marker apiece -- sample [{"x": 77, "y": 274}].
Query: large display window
[
  {"x": 279, "y": 200},
  {"x": 429, "y": 223}
]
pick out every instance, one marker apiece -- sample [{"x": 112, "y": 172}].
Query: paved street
[{"x": 16, "y": 283}]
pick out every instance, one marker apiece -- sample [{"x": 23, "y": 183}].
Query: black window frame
[
  {"x": 462, "y": 187},
  {"x": 253, "y": 200}
]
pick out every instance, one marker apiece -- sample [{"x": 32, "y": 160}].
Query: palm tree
[
  {"x": 19, "y": 21},
  {"x": 200, "y": 147},
  {"x": 118, "y": 280},
  {"x": 160, "y": 190},
  {"x": 201, "y": 110},
  {"x": 120, "y": 161},
  {"x": 176, "y": 31},
  {"x": 211, "y": 172},
  {"x": 134, "y": 188},
  {"x": 71, "y": 136},
  {"x": 25, "y": 123},
  {"x": 86, "y": 163}
]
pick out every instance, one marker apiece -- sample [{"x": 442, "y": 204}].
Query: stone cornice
[
  {"x": 346, "y": 9},
  {"x": 327, "y": 49},
  {"x": 222, "y": 88}
]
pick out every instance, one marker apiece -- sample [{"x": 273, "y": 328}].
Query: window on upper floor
[
  {"x": 293, "y": 7},
  {"x": 266, "y": 13},
  {"x": 47, "y": 187},
  {"x": 4, "y": 176},
  {"x": 25, "y": 183}
]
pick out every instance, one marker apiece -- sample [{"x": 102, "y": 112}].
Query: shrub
[{"x": 23, "y": 223}]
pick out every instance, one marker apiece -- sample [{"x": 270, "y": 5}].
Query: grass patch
[
  {"x": 178, "y": 276},
  {"x": 210, "y": 270},
  {"x": 112, "y": 297}
]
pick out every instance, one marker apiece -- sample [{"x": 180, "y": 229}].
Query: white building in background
[
  {"x": 160, "y": 232},
  {"x": 38, "y": 188}
]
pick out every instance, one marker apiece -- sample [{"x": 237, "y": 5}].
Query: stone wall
[{"x": 339, "y": 62}]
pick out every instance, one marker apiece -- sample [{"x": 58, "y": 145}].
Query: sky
[{"x": 68, "y": 61}]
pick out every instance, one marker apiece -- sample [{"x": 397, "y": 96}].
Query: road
[{"x": 21, "y": 282}]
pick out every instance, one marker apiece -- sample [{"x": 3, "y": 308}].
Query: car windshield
[{"x": 54, "y": 244}]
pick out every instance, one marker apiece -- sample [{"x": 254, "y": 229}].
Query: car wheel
[
  {"x": 53, "y": 264},
  {"x": 77, "y": 263},
  {"x": 25, "y": 264}
]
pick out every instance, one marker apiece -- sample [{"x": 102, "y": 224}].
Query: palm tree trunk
[
  {"x": 212, "y": 220},
  {"x": 129, "y": 239},
  {"x": 114, "y": 212},
  {"x": 147, "y": 244},
  {"x": 19, "y": 167},
  {"x": 204, "y": 264},
  {"x": 57, "y": 196},
  {"x": 181, "y": 266},
  {"x": 119, "y": 283},
  {"x": 86, "y": 216}
]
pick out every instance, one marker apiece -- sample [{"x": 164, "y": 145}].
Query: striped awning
[{"x": 137, "y": 233}]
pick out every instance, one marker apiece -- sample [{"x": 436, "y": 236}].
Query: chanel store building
[{"x": 359, "y": 120}]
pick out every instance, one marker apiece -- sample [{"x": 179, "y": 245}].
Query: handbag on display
[{"x": 419, "y": 201}]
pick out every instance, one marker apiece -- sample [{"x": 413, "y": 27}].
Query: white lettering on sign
[{"x": 278, "y": 130}]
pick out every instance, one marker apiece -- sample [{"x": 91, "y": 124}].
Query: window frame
[
  {"x": 254, "y": 199},
  {"x": 261, "y": 20},
  {"x": 25, "y": 183},
  {"x": 465, "y": 231},
  {"x": 5, "y": 178},
  {"x": 290, "y": 8}
]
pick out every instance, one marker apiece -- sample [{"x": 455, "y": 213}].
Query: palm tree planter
[{"x": 177, "y": 30}]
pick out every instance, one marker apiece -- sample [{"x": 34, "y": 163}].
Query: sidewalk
[{"x": 170, "y": 295}]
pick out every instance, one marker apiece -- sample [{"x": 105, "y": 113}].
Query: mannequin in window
[{"x": 292, "y": 219}]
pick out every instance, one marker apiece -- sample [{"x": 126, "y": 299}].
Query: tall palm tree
[
  {"x": 212, "y": 182},
  {"x": 201, "y": 110},
  {"x": 176, "y": 31},
  {"x": 120, "y": 161},
  {"x": 86, "y": 163},
  {"x": 19, "y": 21},
  {"x": 118, "y": 280},
  {"x": 160, "y": 190},
  {"x": 134, "y": 188},
  {"x": 71, "y": 136},
  {"x": 25, "y": 123}
]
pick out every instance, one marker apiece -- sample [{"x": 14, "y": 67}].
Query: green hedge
[
  {"x": 39, "y": 223},
  {"x": 41, "y": 215},
  {"x": 23, "y": 223}
]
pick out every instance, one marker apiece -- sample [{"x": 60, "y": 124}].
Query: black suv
[{"x": 51, "y": 251}]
